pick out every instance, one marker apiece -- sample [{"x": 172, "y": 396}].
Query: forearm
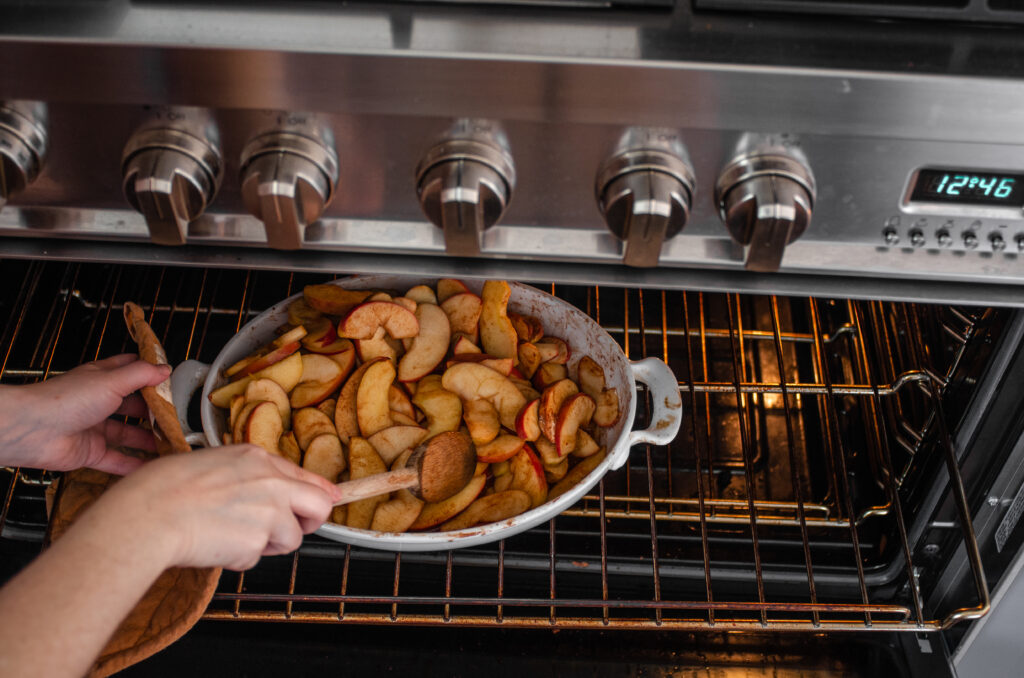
[{"x": 58, "y": 613}]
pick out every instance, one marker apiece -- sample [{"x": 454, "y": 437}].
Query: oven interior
[{"x": 796, "y": 496}]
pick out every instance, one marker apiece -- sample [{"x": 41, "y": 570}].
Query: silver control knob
[
  {"x": 23, "y": 145},
  {"x": 288, "y": 179},
  {"x": 171, "y": 175},
  {"x": 765, "y": 201},
  {"x": 464, "y": 186},
  {"x": 644, "y": 196}
]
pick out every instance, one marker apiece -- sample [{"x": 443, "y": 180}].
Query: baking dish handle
[
  {"x": 667, "y": 404},
  {"x": 186, "y": 379}
]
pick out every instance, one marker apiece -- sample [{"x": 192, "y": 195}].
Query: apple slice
[
  {"x": 547, "y": 451},
  {"x": 334, "y": 348},
  {"x": 398, "y": 401},
  {"x": 372, "y": 409},
  {"x": 528, "y": 422},
  {"x": 550, "y": 404},
  {"x": 237, "y": 402},
  {"x": 287, "y": 373},
  {"x": 585, "y": 445},
  {"x": 221, "y": 397},
  {"x": 346, "y": 419},
  {"x": 577, "y": 411},
  {"x": 481, "y": 468},
  {"x": 308, "y": 423},
  {"x": 422, "y": 294},
  {"x": 549, "y": 373},
  {"x": 289, "y": 448},
  {"x": 449, "y": 287},
  {"x": 328, "y": 407},
  {"x": 576, "y": 474},
  {"x": 275, "y": 355},
  {"x": 363, "y": 462},
  {"x": 319, "y": 333},
  {"x": 502, "y": 366},
  {"x": 591, "y": 376},
  {"x": 442, "y": 408},
  {"x": 399, "y": 419},
  {"x": 592, "y": 382},
  {"x": 333, "y": 300},
  {"x": 527, "y": 327},
  {"x": 429, "y": 346},
  {"x": 301, "y": 313},
  {"x": 268, "y": 389},
  {"x": 502, "y": 448},
  {"x": 489, "y": 509},
  {"x": 528, "y": 476},
  {"x": 436, "y": 513},
  {"x": 321, "y": 377},
  {"x": 529, "y": 359},
  {"x": 560, "y": 350},
  {"x": 380, "y": 296},
  {"x": 555, "y": 472},
  {"x": 497, "y": 336},
  {"x": 481, "y": 420},
  {"x": 503, "y": 482},
  {"x": 325, "y": 457},
  {"x": 238, "y": 430},
  {"x": 463, "y": 311},
  {"x": 607, "y": 412},
  {"x": 394, "y": 440},
  {"x": 398, "y": 514},
  {"x": 363, "y": 321},
  {"x": 462, "y": 345},
  {"x": 473, "y": 381},
  {"x": 525, "y": 387},
  {"x": 376, "y": 347},
  {"x": 263, "y": 426},
  {"x": 406, "y": 302}
]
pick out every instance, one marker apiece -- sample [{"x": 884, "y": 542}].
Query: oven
[{"x": 812, "y": 212}]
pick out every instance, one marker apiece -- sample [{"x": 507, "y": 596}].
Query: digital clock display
[{"x": 969, "y": 188}]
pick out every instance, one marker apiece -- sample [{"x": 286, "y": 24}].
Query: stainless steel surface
[
  {"x": 172, "y": 169},
  {"x": 289, "y": 175},
  {"x": 22, "y": 145},
  {"x": 765, "y": 197},
  {"x": 465, "y": 183},
  {"x": 644, "y": 192},
  {"x": 780, "y": 507}
]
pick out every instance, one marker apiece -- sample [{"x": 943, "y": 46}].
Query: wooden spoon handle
[{"x": 381, "y": 483}]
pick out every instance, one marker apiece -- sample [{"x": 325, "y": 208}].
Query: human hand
[
  {"x": 223, "y": 507},
  {"x": 62, "y": 423}
]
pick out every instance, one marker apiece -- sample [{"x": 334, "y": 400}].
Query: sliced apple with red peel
[
  {"x": 482, "y": 421},
  {"x": 346, "y": 361},
  {"x": 238, "y": 430},
  {"x": 289, "y": 448},
  {"x": 422, "y": 294},
  {"x": 489, "y": 509},
  {"x": 547, "y": 451},
  {"x": 463, "y": 345},
  {"x": 555, "y": 472},
  {"x": 577, "y": 411},
  {"x": 237, "y": 367},
  {"x": 449, "y": 287},
  {"x": 562, "y": 352},
  {"x": 585, "y": 445},
  {"x": 527, "y": 327},
  {"x": 321, "y": 377},
  {"x": 528, "y": 421},
  {"x": 394, "y": 440},
  {"x": 551, "y": 403},
  {"x": 501, "y": 365},
  {"x": 363, "y": 462},
  {"x": 398, "y": 401},
  {"x": 429, "y": 346},
  {"x": 502, "y": 448},
  {"x": 473, "y": 381},
  {"x": 497, "y": 336},
  {"x": 576, "y": 474},
  {"x": 263, "y": 426},
  {"x": 433, "y": 514},
  {"x": 268, "y": 389},
  {"x": 549, "y": 373},
  {"x": 308, "y": 423},
  {"x": 592, "y": 382},
  {"x": 528, "y": 476},
  {"x": 287, "y": 373},
  {"x": 529, "y": 359},
  {"x": 301, "y": 313},
  {"x": 333, "y": 300},
  {"x": 363, "y": 321},
  {"x": 289, "y": 337},
  {"x": 345, "y": 416},
  {"x": 266, "y": 360},
  {"x": 319, "y": 333},
  {"x": 463, "y": 311},
  {"x": 607, "y": 412},
  {"x": 335, "y": 347},
  {"x": 372, "y": 409},
  {"x": 325, "y": 457},
  {"x": 442, "y": 408}
]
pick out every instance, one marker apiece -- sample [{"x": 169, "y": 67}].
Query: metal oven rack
[{"x": 788, "y": 501}]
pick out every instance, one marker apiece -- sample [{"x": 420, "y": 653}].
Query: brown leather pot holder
[{"x": 178, "y": 598}]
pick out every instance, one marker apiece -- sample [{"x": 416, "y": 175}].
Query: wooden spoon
[{"x": 438, "y": 469}]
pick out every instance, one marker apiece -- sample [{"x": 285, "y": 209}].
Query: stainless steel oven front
[{"x": 817, "y": 222}]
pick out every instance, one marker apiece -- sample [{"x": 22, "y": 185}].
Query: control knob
[
  {"x": 645, "y": 197},
  {"x": 464, "y": 186},
  {"x": 765, "y": 200},
  {"x": 288, "y": 178},
  {"x": 171, "y": 175},
  {"x": 23, "y": 145}
]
